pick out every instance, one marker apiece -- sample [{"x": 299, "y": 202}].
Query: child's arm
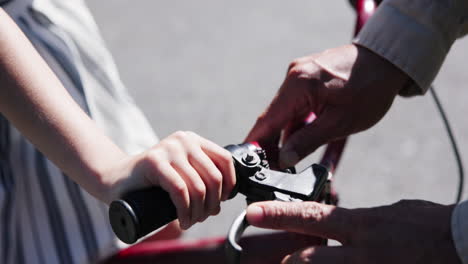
[{"x": 196, "y": 172}]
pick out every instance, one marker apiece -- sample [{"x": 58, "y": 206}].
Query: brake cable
[{"x": 453, "y": 143}]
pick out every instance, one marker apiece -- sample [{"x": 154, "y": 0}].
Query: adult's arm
[
  {"x": 403, "y": 45},
  {"x": 416, "y": 36}
]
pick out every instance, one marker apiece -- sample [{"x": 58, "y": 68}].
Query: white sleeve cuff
[
  {"x": 460, "y": 230},
  {"x": 413, "y": 35}
]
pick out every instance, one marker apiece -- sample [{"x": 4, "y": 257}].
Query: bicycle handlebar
[{"x": 140, "y": 212}]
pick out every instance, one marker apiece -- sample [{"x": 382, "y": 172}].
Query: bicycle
[{"x": 260, "y": 248}]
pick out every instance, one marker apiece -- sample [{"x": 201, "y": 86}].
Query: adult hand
[
  {"x": 406, "y": 232},
  {"x": 349, "y": 89}
]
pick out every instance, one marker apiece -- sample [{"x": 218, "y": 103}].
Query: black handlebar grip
[{"x": 141, "y": 212}]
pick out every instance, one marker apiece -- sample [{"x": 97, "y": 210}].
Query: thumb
[
  {"x": 272, "y": 121},
  {"x": 289, "y": 102},
  {"x": 307, "y": 139}
]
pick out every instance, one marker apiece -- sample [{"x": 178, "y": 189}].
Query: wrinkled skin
[
  {"x": 407, "y": 232},
  {"x": 349, "y": 89}
]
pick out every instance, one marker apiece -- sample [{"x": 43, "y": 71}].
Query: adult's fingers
[
  {"x": 296, "y": 125},
  {"x": 310, "y": 137},
  {"x": 327, "y": 255},
  {"x": 356, "y": 255},
  {"x": 291, "y": 100},
  {"x": 304, "y": 217},
  {"x": 279, "y": 244},
  {"x": 302, "y": 60}
]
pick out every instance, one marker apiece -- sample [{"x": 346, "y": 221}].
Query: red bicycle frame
[{"x": 269, "y": 248}]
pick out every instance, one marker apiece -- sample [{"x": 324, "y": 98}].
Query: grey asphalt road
[{"x": 212, "y": 66}]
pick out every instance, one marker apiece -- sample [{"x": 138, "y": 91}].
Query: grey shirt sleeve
[
  {"x": 460, "y": 230},
  {"x": 415, "y": 35}
]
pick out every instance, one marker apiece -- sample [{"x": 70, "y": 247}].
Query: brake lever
[
  {"x": 141, "y": 212},
  {"x": 258, "y": 183}
]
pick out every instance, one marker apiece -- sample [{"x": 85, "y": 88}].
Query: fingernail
[
  {"x": 288, "y": 158},
  {"x": 254, "y": 214}
]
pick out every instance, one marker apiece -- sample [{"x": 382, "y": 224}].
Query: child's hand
[{"x": 197, "y": 173}]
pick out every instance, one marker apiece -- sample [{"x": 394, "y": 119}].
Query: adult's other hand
[
  {"x": 349, "y": 88},
  {"x": 407, "y": 232}
]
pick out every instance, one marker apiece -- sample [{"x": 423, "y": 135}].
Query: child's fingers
[
  {"x": 196, "y": 188},
  {"x": 173, "y": 183},
  {"x": 206, "y": 169},
  {"x": 223, "y": 161},
  {"x": 212, "y": 178}
]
